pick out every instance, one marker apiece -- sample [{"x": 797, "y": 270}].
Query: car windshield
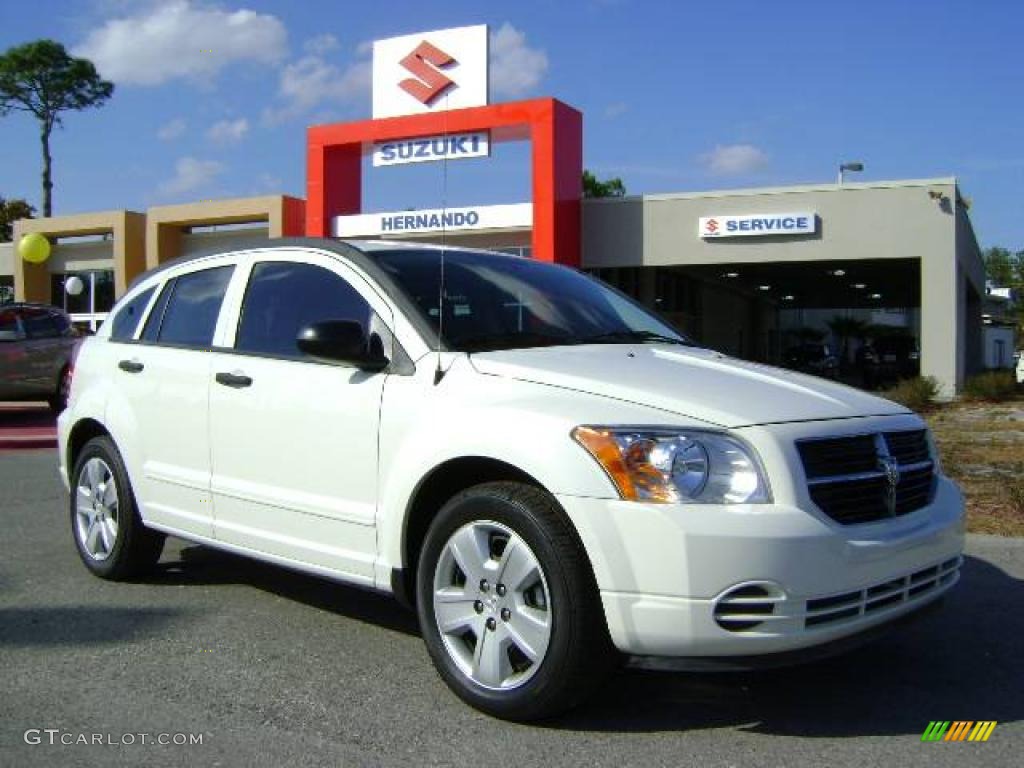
[{"x": 494, "y": 302}]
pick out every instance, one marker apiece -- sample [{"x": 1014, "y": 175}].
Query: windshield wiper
[
  {"x": 619, "y": 337},
  {"x": 494, "y": 342}
]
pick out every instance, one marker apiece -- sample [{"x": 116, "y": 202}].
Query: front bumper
[{"x": 694, "y": 580}]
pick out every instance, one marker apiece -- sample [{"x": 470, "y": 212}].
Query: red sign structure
[{"x": 334, "y": 156}]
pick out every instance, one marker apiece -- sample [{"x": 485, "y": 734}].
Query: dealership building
[{"x": 749, "y": 272}]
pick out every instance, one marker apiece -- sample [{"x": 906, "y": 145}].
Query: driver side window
[{"x": 284, "y": 296}]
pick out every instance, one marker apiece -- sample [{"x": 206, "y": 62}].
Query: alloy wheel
[
  {"x": 96, "y": 509},
  {"x": 492, "y": 605}
]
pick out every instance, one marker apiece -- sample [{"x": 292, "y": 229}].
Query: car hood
[{"x": 694, "y": 382}]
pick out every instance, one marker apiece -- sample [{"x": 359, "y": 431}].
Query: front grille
[
  {"x": 849, "y": 481},
  {"x": 911, "y": 588},
  {"x": 908, "y": 447}
]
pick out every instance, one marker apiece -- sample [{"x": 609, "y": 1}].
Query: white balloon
[{"x": 73, "y": 285}]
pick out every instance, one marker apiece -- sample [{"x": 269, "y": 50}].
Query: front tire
[
  {"x": 105, "y": 524},
  {"x": 508, "y": 605}
]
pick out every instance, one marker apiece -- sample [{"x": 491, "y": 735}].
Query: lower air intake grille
[
  {"x": 916, "y": 586},
  {"x": 747, "y": 607}
]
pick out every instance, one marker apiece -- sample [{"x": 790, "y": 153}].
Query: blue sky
[{"x": 213, "y": 99}]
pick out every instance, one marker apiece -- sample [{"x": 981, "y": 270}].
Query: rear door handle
[
  {"x": 234, "y": 380},
  {"x": 131, "y": 366}
]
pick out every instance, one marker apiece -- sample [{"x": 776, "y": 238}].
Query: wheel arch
[
  {"x": 81, "y": 433},
  {"x": 438, "y": 486}
]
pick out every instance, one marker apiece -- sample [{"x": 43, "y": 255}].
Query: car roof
[
  {"x": 350, "y": 249},
  {"x": 30, "y": 305},
  {"x": 358, "y": 252}
]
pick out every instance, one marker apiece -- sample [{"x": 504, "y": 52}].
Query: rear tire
[
  {"x": 59, "y": 400},
  {"x": 508, "y": 605},
  {"x": 105, "y": 524}
]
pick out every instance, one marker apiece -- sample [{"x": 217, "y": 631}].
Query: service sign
[
  {"x": 758, "y": 225},
  {"x": 434, "y": 220},
  {"x": 430, "y": 71},
  {"x": 428, "y": 148}
]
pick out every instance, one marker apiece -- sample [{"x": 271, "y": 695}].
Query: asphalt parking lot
[{"x": 274, "y": 668}]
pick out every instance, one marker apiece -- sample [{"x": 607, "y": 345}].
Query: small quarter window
[{"x": 127, "y": 318}]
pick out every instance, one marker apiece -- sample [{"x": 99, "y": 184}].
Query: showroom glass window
[
  {"x": 284, "y": 296},
  {"x": 186, "y": 314},
  {"x": 92, "y": 303}
]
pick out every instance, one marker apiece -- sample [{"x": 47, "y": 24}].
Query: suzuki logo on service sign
[
  {"x": 430, "y": 71},
  {"x": 758, "y": 224},
  {"x": 453, "y": 147}
]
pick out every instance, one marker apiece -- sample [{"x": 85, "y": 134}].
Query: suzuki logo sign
[
  {"x": 424, "y": 63},
  {"x": 758, "y": 225},
  {"x": 448, "y": 70}
]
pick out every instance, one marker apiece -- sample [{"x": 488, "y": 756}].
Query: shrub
[
  {"x": 993, "y": 386},
  {"x": 1015, "y": 495},
  {"x": 917, "y": 394}
]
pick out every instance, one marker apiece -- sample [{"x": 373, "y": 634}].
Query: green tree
[
  {"x": 1002, "y": 267},
  {"x": 10, "y": 212},
  {"x": 608, "y": 188},
  {"x": 1005, "y": 269},
  {"x": 42, "y": 79}
]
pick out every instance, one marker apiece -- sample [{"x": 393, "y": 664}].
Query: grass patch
[
  {"x": 917, "y": 394},
  {"x": 991, "y": 386},
  {"x": 981, "y": 446}
]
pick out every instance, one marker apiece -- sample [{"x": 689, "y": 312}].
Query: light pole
[{"x": 849, "y": 167}]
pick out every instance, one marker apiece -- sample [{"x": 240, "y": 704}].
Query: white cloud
[
  {"x": 227, "y": 131},
  {"x": 172, "y": 130},
  {"x": 734, "y": 159},
  {"x": 190, "y": 175},
  {"x": 321, "y": 45},
  {"x": 267, "y": 183},
  {"x": 181, "y": 40},
  {"x": 515, "y": 67},
  {"x": 313, "y": 81},
  {"x": 616, "y": 109}
]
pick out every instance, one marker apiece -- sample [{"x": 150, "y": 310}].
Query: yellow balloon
[{"x": 34, "y": 248}]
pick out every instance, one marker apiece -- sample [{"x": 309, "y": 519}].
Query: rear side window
[
  {"x": 62, "y": 321},
  {"x": 193, "y": 304},
  {"x": 39, "y": 324},
  {"x": 9, "y": 322},
  {"x": 282, "y": 297},
  {"x": 127, "y": 318}
]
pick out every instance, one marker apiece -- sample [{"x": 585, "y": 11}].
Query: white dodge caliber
[{"x": 553, "y": 476}]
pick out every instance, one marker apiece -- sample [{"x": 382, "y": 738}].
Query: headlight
[{"x": 676, "y": 466}]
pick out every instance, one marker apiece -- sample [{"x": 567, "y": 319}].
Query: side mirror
[{"x": 343, "y": 341}]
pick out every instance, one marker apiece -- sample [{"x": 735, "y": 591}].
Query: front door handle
[
  {"x": 131, "y": 366},
  {"x": 234, "y": 380}
]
